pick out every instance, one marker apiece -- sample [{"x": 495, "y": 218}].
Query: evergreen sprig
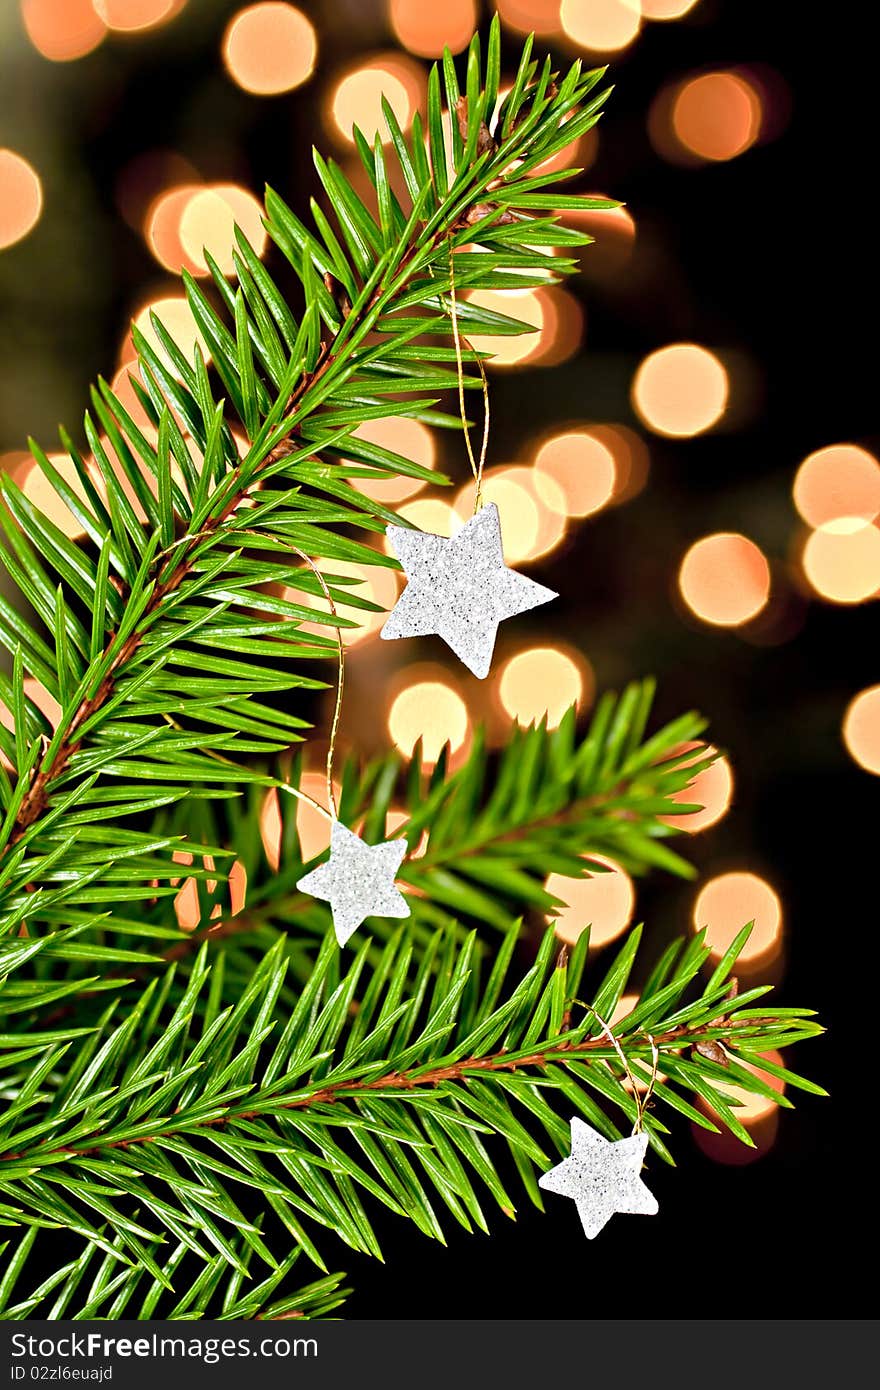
[
  {"x": 159, "y": 640},
  {"x": 196, "y": 1111},
  {"x": 391, "y": 1083}
]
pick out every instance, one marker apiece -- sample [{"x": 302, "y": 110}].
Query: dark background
[{"x": 765, "y": 256}]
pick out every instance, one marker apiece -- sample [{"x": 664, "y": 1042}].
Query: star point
[
  {"x": 602, "y": 1176},
  {"x": 459, "y": 588},
  {"x": 357, "y": 881}
]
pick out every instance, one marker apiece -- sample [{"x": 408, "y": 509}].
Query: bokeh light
[
  {"x": 162, "y": 228},
  {"x": 433, "y": 515},
  {"x": 726, "y": 903},
  {"x": 601, "y": 26},
  {"x": 21, "y": 198},
  {"x": 412, "y": 440},
  {"x": 724, "y": 579},
  {"x": 604, "y": 902},
  {"x": 529, "y": 16},
  {"x": 424, "y": 28},
  {"x": 712, "y": 789},
  {"x": 555, "y": 315},
  {"x": 680, "y": 390},
  {"x": 530, "y": 527},
  {"x": 583, "y": 467},
  {"x": 542, "y": 683},
  {"x": 716, "y": 116},
  {"x": 842, "y": 560},
  {"x": 357, "y": 97},
  {"x": 37, "y": 488},
  {"x": 175, "y": 315},
  {"x": 129, "y": 16},
  {"x": 431, "y": 710},
  {"x": 748, "y": 1107},
  {"x": 861, "y": 729},
  {"x": 270, "y": 48},
  {"x": 841, "y": 481},
  {"x": 62, "y": 30},
  {"x": 374, "y": 583},
  {"x": 667, "y": 9},
  {"x": 614, "y": 233},
  {"x": 208, "y": 220}
]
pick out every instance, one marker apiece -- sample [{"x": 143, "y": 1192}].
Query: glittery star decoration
[
  {"x": 602, "y": 1177},
  {"x": 460, "y": 588},
  {"x": 357, "y": 881}
]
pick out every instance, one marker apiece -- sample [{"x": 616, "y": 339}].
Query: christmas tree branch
[
  {"x": 376, "y": 1086},
  {"x": 159, "y": 639}
]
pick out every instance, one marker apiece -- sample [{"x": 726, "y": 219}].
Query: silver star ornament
[
  {"x": 602, "y": 1177},
  {"x": 460, "y": 588},
  {"x": 357, "y": 881}
]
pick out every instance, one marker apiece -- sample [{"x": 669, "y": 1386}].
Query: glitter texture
[
  {"x": 357, "y": 881},
  {"x": 460, "y": 588},
  {"x": 602, "y": 1177}
]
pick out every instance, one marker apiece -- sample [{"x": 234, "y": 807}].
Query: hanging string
[
  {"x": 477, "y": 465},
  {"x": 332, "y": 813},
  {"x": 641, "y": 1099}
]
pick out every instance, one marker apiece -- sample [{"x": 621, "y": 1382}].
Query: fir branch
[{"x": 381, "y": 1084}]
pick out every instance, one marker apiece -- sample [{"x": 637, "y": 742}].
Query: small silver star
[
  {"x": 357, "y": 881},
  {"x": 602, "y": 1177},
  {"x": 460, "y": 588}
]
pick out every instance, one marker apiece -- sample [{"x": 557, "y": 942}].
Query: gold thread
[
  {"x": 333, "y": 812},
  {"x": 641, "y": 1101},
  {"x": 476, "y": 465}
]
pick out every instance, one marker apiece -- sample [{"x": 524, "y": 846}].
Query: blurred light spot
[
  {"x": 411, "y": 439},
  {"x": 582, "y": 466},
  {"x": 519, "y": 509},
  {"x": 424, "y": 28},
  {"x": 724, "y": 906},
  {"x": 270, "y": 828},
  {"x": 270, "y": 48},
  {"x": 62, "y": 29},
  {"x": 175, "y": 315},
  {"x": 604, "y": 903},
  {"x": 529, "y": 306},
  {"x": 357, "y": 98},
  {"x": 162, "y": 229},
  {"x": 432, "y": 711},
  {"x": 394, "y": 819},
  {"x": 531, "y": 506},
  {"x": 41, "y": 492},
  {"x": 430, "y": 514},
  {"x": 716, "y": 116},
  {"x": 186, "y": 904},
  {"x": 748, "y": 1107},
  {"x": 666, "y": 9},
  {"x": 724, "y": 579},
  {"x": 45, "y": 703},
  {"x": 614, "y": 233},
  {"x": 632, "y": 461},
  {"x": 861, "y": 729},
  {"x": 603, "y": 26},
  {"x": 126, "y": 16},
  {"x": 375, "y": 584},
  {"x": 842, "y": 560},
  {"x": 208, "y": 220},
  {"x": 841, "y": 480},
  {"x": 21, "y": 198},
  {"x": 529, "y": 16},
  {"x": 680, "y": 390},
  {"x": 542, "y": 682},
  {"x": 123, "y": 388},
  {"x": 712, "y": 788}
]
